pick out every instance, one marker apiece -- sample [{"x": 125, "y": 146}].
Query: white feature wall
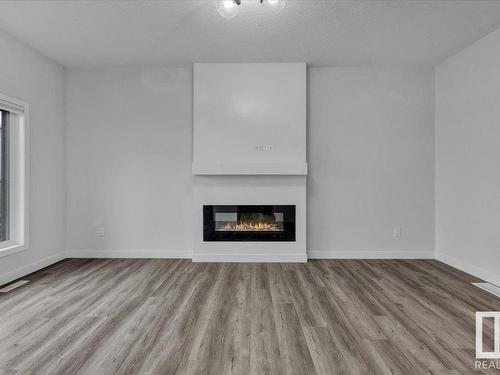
[
  {"x": 468, "y": 159},
  {"x": 371, "y": 159},
  {"x": 129, "y": 162},
  {"x": 26, "y": 75},
  {"x": 249, "y": 119}
]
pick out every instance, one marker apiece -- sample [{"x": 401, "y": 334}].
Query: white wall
[
  {"x": 468, "y": 159},
  {"x": 370, "y": 152},
  {"x": 371, "y": 158},
  {"x": 26, "y": 75},
  {"x": 129, "y": 161}
]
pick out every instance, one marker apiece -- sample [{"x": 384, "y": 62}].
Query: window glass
[{"x": 4, "y": 175}]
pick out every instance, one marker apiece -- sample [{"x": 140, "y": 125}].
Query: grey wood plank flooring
[{"x": 326, "y": 317}]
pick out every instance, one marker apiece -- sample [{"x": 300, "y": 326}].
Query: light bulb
[
  {"x": 227, "y": 8},
  {"x": 275, "y": 6}
]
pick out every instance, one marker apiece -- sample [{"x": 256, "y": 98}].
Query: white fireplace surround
[
  {"x": 250, "y": 190},
  {"x": 249, "y": 148}
]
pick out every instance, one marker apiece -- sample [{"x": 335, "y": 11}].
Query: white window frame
[{"x": 18, "y": 176}]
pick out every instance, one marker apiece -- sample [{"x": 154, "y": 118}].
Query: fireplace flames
[{"x": 249, "y": 227}]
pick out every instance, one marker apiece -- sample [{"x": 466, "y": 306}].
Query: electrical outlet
[
  {"x": 397, "y": 232},
  {"x": 99, "y": 230}
]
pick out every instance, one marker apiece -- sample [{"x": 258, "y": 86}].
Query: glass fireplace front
[{"x": 248, "y": 223}]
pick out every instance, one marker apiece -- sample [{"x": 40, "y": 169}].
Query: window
[
  {"x": 13, "y": 175},
  {"x": 4, "y": 175}
]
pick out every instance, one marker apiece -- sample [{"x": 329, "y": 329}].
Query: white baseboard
[
  {"x": 25, "y": 270},
  {"x": 108, "y": 253},
  {"x": 250, "y": 258},
  {"x": 321, "y": 254},
  {"x": 366, "y": 254},
  {"x": 298, "y": 258},
  {"x": 469, "y": 268}
]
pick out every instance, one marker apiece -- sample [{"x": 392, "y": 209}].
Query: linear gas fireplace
[{"x": 249, "y": 223}]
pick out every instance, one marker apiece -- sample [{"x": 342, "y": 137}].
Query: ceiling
[{"x": 322, "y": 32}]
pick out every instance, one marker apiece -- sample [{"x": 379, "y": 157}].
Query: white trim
[
  {"x": 8, "y": 103},
  {"x": 253, "y": 258},
  {"x": 249, "y": 169},
  {"x": 488, "y": 287},
  {"x": 249, "y": 257},
  {"x": 36, "y": 266},
  {"x": 469, "y": 268},
  {"x": 367, "y": 254},
  {"x": 184, "y": 254},
  {"x": 132, "y": 253},
  {"x": 10, "y": 247}
]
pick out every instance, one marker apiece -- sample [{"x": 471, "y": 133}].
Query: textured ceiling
[{"x": 125, "y": 33}]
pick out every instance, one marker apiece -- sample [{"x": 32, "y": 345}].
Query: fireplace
[{"x": 248, "y": 223}]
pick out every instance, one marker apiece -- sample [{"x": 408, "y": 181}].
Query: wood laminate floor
[{"x": 138, "y": 316}]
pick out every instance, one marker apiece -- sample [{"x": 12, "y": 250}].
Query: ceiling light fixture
[
  {"x": 228, "y": 8},
  {"x": 231, "y": 8}
]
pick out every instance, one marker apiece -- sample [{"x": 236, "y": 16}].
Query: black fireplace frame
[{"x": 210, "y": 234}]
